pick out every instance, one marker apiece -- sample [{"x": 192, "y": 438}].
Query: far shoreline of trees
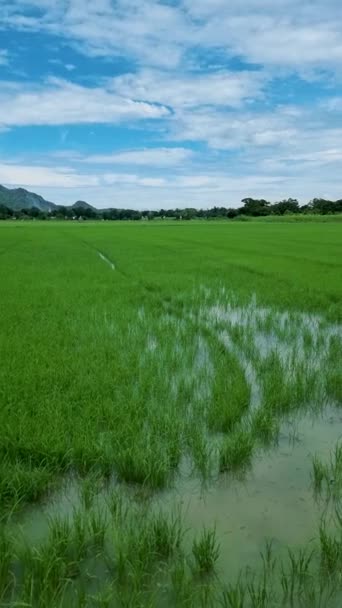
[{"x": 251, "y": 208}]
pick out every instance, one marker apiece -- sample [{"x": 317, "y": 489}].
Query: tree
[
  {"x": 5, "y": 212},
  {"x": 255, "y": 207},
  {"x": 322, "y": 206},
  {"x": 290, "y": 205}
]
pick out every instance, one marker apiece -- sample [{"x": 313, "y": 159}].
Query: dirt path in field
[{"x": 105, "y": 259}]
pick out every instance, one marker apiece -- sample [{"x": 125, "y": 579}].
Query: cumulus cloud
[
  {"x": 237, "y": 130},
  {"x": 284, "y": 33},
  {"x": 58, "y": 102},
  {"x": 213, "y": 75},
  {"x": 219, "y": 88}
]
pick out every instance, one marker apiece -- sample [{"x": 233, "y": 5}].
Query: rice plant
[
  {"x": 236, "y": 451},
  {"x": 142, "y": 383},
  {"x": 266, "y": 426},
  {"x": 330, "y": 551},
  {"x": 327, "y": 477},
  {"x": 6, "y": 559},
  {"x": 320, "y": 474},
  {"x": 234, "y": 596},
  {"x": 206, "y": 551},
  {"x": 98, "y": 524}
]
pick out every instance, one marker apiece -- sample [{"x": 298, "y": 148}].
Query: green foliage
[
  {"x": 231, "y": 394},
  {"x": 6, "y": 557},
  {"x": 173, "y": 367},
  {"x": 206, "y": 551},
  {"x": 327, "y": 477},
  {"x": 331, "y": 551},
  {"x": 236, "y": 451},
  {"x": 20, "y": 483},
  {"x": 266, "y": 426}
]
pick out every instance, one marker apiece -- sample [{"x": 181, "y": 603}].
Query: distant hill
[
  {"x": 19, "y": 198},
  {"x": 82, "y": 205}
]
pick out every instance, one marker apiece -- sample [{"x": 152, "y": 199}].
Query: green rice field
[{"x": 170, "y": 414}]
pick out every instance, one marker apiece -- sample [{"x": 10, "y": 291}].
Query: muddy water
[{"x": 273, "y": 502}]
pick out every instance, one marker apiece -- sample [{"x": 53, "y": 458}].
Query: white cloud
[
  {"x": 153, "y": 157},
  {"x": 283, "y": 33},
  {"x": 59, "y": 102},
  {"x": 42, "y": 176},
  {"x": 194, "y": 190},
  {"x": 235, "y": 130},
  {"x": 125, "y": 179},
  {"x": 65, "y": 184},
  {"x": 70, "y": 67},
  {"x": 246, "y": 142},
  {"x": 150, "y": 31},
  {"x": 221, "y": 88}
]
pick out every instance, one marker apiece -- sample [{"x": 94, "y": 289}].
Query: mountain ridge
[{"x": 17, "y": 199}]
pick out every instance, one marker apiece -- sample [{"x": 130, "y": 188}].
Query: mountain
[
  {"x": 82, "y": 205},
  {"x": 19, "y": 198}
]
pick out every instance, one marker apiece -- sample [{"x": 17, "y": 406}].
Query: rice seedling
[
  {"x": 297, "y": 576},
  {"x": 98, "y": 525},
  {"x": 276, "y": 388},
  {"x": 236, "y": 451},
  {"x": 327, "y": 478},
  {"x": 6, "y": 558},
  {"x": 201, "y": 449},
  {"x": 116, "y": 505},
  {"x": 45, "y": 571},
  {"x": 165, "y": 535},
  {"x": 320, "y": 474},
  {"x": 234, "y": 596},
  {"x": 330, "y": 551},
  {"x": 104, "y": 598},
  {"x": 265, "y": 426},
  {"x": 141, "y": 544},
  {"x": 123, "y": 377},
  {"x": 259, "y": 594},
  {"x": 136, "y": 464},
  {"x": 182, "y": 583},
  {"x": 20, "y": 484},
  {"x": 334, "y": 385},
  {"x": 206, "y": 551},
  {"x": 90, "y": 487},
  {"x": 79, "y": 536}
]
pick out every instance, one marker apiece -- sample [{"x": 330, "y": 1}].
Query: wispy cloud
[
  {"x": 284, "y": 33},
  {"x": 42, "y": 176},
  {"x": 59, "y": 102},
  {"x": 150, "y": 157},
  {"x": 220, "y": 88},
  {"x": 226, "y": 98}
]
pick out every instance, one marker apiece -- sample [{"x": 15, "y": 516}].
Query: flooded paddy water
[
  {"x": 211, "y": 374},
  {"x": 274, "y": 501}
]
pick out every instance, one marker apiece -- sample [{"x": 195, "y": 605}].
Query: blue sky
[{"x": 148, "y": 104}]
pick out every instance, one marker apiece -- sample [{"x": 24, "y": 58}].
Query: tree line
[{"x": 250, "y": 207}]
